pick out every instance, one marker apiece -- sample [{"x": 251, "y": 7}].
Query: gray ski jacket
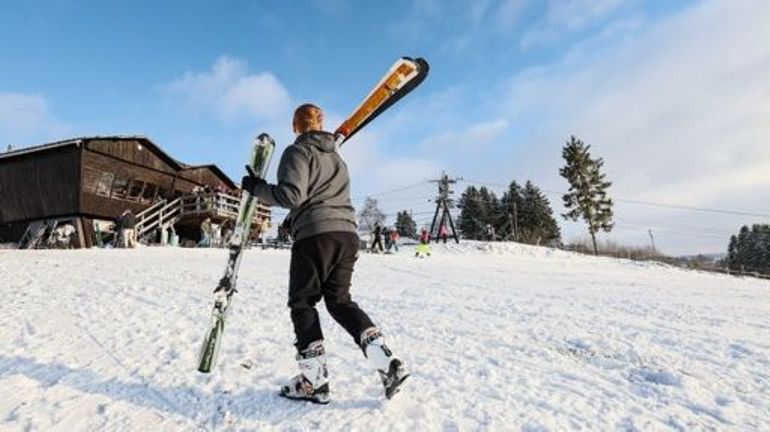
[{"x": 313, "y": 182}]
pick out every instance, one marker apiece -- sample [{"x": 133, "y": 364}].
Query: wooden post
[{"x": 81, "y": 234}]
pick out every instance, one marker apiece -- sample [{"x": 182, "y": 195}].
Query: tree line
[
  {"x": 524, "y": 214},
  {"x": 521, "y": 214},
  {"x": 749, "y": 251}
]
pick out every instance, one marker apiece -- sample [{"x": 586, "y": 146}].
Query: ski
[
  {"x": 259, "y": 160},
  {"x": 403, "y": 77}
]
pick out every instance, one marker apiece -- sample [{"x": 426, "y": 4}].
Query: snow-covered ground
[{"x": 498, "y": 337}]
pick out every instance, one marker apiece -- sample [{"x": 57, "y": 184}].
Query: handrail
[
  {"x": 164, "y": 212},
  {"x": 143, "y": 214},
  {"x": 159, "y": 217},
  {"x": 218, "y": 203}
]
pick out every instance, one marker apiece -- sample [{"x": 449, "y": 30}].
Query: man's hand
[{"x": 249, "y": 183}]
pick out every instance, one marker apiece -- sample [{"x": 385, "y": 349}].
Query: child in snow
[
  {"x": 313, "y": 182},
  {"x": 423, "y": 249},
  {"x": 393, "y": 239}
]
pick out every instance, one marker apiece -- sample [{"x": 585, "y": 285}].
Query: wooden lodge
[{"x": 88, "y": 182}]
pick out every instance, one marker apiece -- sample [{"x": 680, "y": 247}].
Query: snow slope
[{"x": 499, "y": 337}]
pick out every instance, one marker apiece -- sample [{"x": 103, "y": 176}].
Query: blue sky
[{"x": 672, "y": 94}]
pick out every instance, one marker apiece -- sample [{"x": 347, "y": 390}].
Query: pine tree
[
  {"x": 490, "y": 210},
  {"x": 470, "y": 222},
  {"x": 510, "y": 217},
  {"x": 405, "y": 225},
  {"x": 538, "y": 224},
  {"x": 732, "y": 253},
  {"x": 370, "y": 215},
  {"x": 587, "y": 195},
  {"x": 750, "y": 250},
  {"x": 743, "y": 255},
  {"x": 758, "y": 249}
]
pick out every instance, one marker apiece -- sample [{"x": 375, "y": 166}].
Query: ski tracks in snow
[{"x": 498, "y": 337}]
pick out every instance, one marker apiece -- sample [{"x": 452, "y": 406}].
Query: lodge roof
[
  {"x": 214, "y": 168},
  {"x": 146, "y": 142}
]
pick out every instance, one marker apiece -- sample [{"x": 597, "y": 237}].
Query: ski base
[
  {"x": 259, "y": 160},
  {"x": 212, "y": 340}
]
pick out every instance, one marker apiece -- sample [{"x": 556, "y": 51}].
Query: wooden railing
[
  {"x": 162, "y": 214},
  {"x": 218, "y": 204},
  {"x": 165, "y": 213}
]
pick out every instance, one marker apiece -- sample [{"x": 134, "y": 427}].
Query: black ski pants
[
  {"x": 377, "y": 244},
  {"x": 321, "y": 267}
]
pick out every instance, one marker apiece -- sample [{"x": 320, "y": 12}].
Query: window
[
  {"x": 104, "y": 185},
  {"x": 161, "y": 193},
  {"x": 135, "y": 191},
  {"x": 149, "y": 192},
  {"x": 120, "y": 187}
]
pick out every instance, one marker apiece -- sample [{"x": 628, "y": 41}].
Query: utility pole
[{"x": 443, "y": 204}]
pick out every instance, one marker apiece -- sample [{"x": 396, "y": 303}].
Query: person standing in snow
[
  {"x": 393, "y": 236},
  {"x": 490, "y": 232},
  {"x": 384, "y": 233},
  {"x": 128, "y": 234},
  {"x": 377, "y": 242},
  {"x": 118, "y": 238},
  {"x": 423, "y": 249},
  {"x": 313, "y": 182},
  {"x": 442, "y": 232},
  {"x": 205, "y": 240}
]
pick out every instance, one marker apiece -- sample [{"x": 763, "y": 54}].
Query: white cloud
[
  {"x": 568, "y": 16},
  {"x": 232, "y": 93},
  {"x": 678, "y": 107},
  {"x": 467, "y": 140},
  {"x": 27, "y": 119}
]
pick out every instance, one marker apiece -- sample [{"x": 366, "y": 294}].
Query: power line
[
  {"x": 413, "y": 186},
  {"x": 648, "y": 203},
  {"x": 702, "y": 209}
]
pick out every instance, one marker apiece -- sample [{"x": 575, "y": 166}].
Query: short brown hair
[{"x": 308, "y": 117}]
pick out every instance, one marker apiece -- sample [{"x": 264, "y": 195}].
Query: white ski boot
[
  {"x": 313, "y": 383},
  {"x": 392, "y": 370}
]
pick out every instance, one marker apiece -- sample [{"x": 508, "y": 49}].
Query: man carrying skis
[{"x": 313, "y": 182}]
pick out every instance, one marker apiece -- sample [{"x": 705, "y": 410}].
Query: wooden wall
[
  {"x": 134, "y": 151},
  {"x": 111, "y": 185},
  {"x": 40, "y": 184},
  {"x": 206, "y": 175},
  {"x": 113, "y": 182}
]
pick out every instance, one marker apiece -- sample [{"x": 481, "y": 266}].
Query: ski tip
[
  {"x": 264, "y": 137},
  {"x": 422, "y": 65}
]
